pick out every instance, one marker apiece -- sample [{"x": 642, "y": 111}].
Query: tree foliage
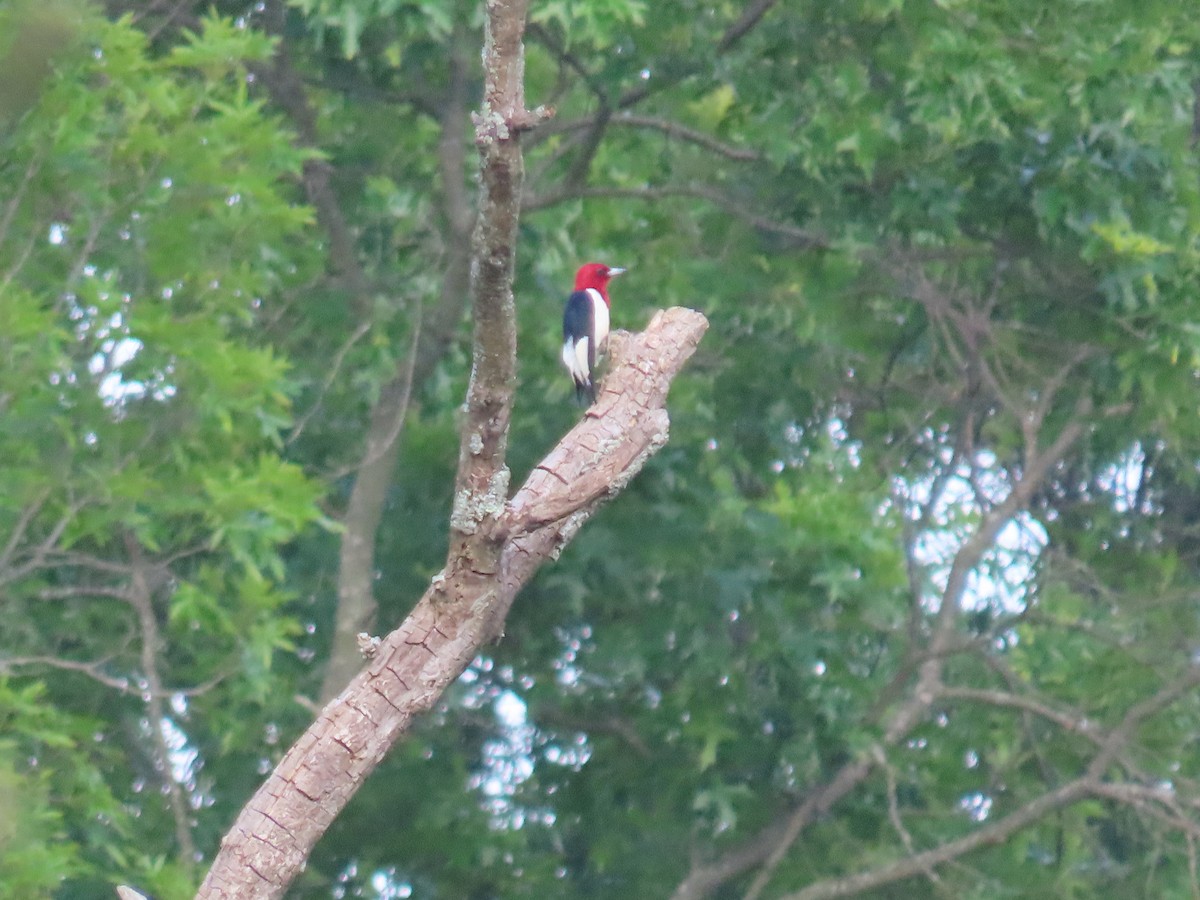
[{"x": 908, "y": 597}]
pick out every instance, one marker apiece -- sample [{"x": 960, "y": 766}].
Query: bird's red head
[{"x": 596, "y": 275}]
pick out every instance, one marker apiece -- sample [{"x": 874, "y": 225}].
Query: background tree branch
[
  {"x": 927, "y": 661},
  {"x": 433, "y": 330}
]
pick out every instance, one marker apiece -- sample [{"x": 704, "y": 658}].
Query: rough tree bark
[{"x": 496, "y": 544}]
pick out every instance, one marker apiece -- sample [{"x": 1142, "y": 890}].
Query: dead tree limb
[{"x": 460, "y": 612}]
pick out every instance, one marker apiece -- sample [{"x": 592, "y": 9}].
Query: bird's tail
[{"x": 585, "y": 392}]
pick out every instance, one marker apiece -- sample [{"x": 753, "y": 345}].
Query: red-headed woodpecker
[{"x": 585, "y": 326}]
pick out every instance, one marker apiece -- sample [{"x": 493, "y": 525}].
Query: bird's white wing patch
[
  {"x": 581, "y": 357},
  {"x": 600, "y": 311},
  {"x": 575, "y": 358}
]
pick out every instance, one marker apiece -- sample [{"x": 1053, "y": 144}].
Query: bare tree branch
[
  {"x": 1138, "y": 713},
  {"x": 65, "y": 592},
  {"x": 1074, "y": 722},
  {"x": 819, "y": 803},
  {"x": 19, "y": 527},
  {"x": 770, "y": 847},
  {"x": 432, "y": 335},
  {"x": 704, "y": 877},
  {"x": 989, "y": 835},
  {"x": 459, "y": 612},
  {"x": 750, "y": 17},
  {"x": 1091, "y": 783},
  {"x": 973, "y": 550},
  {"x": 140, "y": 597},
  {"x": 676, "y": 130},
  {"x": 799, "y": 237},
  {"x": 93, "y": 670},
  {"x": 41, "y": 554},
  {"x": 682, "y": 132}
]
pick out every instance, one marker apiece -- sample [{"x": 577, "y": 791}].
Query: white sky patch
[
  {"x": 507, "y": 762},
  {"x": 569, "y": 672},
  {"x": 797, "y": 453},
  {"x": 386, "y": 886},
  {"x": 123, "y": 351},
  {"x": 106, "y": 365},
  {"x": 509, "y": 758},
  {"x": 115, "y": 344},
  {"x": 836, "y": 429},
  {"x": 1002, "y": 579},
  {"x": 1124, "y": 481},
  {"x": 977, "y": 806},
  {"x": 510, "y": 710},
  {"x": 573, "y": 755},
  {"x": 184, "y": 756}
]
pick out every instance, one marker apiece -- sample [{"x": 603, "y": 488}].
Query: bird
[{"x": 585, "y": 326}]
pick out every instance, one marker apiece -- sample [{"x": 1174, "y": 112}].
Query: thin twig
[
  {"x": 668, "y": 127},
  {"x": 91, "y": 669},
  {"x": 989, "y": 835},
  {"x": 67, "y": 592},
  {"x": 141, "y": 600},
  {"x": 19, "y": 528},
  {"x": 750, "y": 17},
  {"x": 338, "y": 358},
  {"x": 1073, "y": 722},
  {"x": 889, "y": 773},
  {"x": 14, "y": 203},
  {"x": 381, "y": 448},
  {"x": 38, "y": 559},
  {"x": 800, "y": 236}
]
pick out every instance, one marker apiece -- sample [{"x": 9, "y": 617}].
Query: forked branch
[{"x": 460, "y": 612}]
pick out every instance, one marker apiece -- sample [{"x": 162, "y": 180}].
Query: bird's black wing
[
  {"x": 578, "y": 324},
  {"x": 577, "y": 317}
]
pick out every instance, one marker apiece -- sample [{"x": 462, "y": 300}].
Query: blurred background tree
[{"x": 910, "y": 596}]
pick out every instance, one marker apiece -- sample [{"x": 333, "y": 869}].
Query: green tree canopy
[{"x": 907, "y": 602}]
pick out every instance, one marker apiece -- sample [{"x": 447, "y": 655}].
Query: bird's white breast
[{"x": 600, "y": 315}]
